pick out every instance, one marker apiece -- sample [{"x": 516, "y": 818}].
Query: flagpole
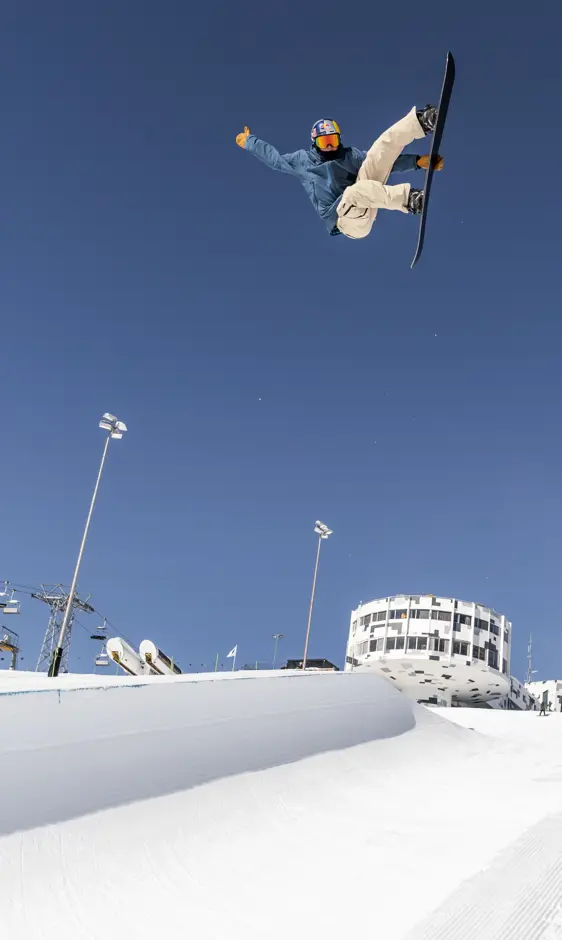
[{"x": 234, "y": 659}]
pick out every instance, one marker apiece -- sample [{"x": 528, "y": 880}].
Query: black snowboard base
[{"x": 447, "y": 88}]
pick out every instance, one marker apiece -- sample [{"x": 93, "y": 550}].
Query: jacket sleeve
[
  {"x": 285, "y": 163},
  {"x": 405, "y": 163}
]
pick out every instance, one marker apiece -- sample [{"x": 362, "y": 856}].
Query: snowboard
[{"x": 447, "y": 88}]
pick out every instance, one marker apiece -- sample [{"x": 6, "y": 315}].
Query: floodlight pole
[
  {"x": 58, "y": 651},
  {"x": 323, "y": 533},
  {"x": 276, "y": 637}
]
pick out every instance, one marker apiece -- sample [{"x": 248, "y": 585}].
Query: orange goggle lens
[{"x": 328, "y": 140}]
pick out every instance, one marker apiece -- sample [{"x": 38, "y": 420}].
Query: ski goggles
[{"x": 328, "y": 140}]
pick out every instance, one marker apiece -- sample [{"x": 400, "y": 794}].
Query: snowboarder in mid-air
[{"x": 347, "y": 186}]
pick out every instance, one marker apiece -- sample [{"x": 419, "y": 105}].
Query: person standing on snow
[{"x": 347, "y": 186}]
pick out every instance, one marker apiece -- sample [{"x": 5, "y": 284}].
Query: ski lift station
[{"x": 437, "y": 650}]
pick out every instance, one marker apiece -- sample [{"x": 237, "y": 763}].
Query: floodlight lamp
[
  {"x": 119, "y": 428},
  {"x": 322, "y": 530},
  {"x": 115, "y": 427}
]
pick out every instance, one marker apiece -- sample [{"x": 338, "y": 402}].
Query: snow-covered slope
[{"x": 253, "y": 806}]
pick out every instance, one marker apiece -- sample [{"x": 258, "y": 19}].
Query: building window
[
  {"x": 461, "y": 649},
  {"x": 438, "y": 645},
  {"x": 381, "y": 615},
  {"x": 412, "y": 642},
  {"x": 493, "y": 659},
  {"x": 354, "y": 627},
  {"x": 506, "y": 636},
  {"x": 480, "y": 624},
  {"x": 504, "y": 666},
  {"x": 419, "y": 613},
  {"x": 365, "y": 620},
  {"x": 372, "y": 646},
  {"x": 390, "y": 643},
  {"x": 398, "y": 614},
  {"x": 465, "y": 619},
  {"x": 400, "y": 642},
  {"x": 380, "y": 644},
  {"x": 417, "y": 642},
  {"x": 441, "y": 615},
  {"x": 478, "y": 652},
  {"x": 494, "y": 628}
]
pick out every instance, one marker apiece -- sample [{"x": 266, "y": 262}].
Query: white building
[
  {"x": 548, "y": 691},
  {"x": 518, "y": 698},
  {"x": 437, "y": 650}
]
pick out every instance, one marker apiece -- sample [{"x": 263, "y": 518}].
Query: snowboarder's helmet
[{"x": 325, "y": 133}]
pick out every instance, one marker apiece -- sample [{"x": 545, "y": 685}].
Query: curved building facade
[{"x": 437, "y": 650}]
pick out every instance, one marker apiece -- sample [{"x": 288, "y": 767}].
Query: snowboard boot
[
  {"x": 415, "y": 201},
  {"x": 428, "y": 118}
]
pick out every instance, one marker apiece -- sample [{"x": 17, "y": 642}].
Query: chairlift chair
[{"x": 9, "y": 607}]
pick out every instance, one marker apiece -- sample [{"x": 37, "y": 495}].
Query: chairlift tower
[
  {"x": 530, "y": 669},
  {"x": 56, "y": 597}
]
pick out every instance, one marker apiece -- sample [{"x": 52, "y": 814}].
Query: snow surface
[{"x": 252, "y": 805}]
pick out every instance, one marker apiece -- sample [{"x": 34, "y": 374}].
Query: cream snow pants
[{"x": 359, "y": 204}]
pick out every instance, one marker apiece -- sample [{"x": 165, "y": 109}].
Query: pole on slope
[{"x": 323, "y": 532}]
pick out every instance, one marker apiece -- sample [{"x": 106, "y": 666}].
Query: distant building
[
  {"x": 548, "y": 691},
  {"x": 437, "y": 650},
  {"x": 311, "y": 664}
]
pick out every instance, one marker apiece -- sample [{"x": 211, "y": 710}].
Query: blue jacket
[{"x": 323, "y": 180}]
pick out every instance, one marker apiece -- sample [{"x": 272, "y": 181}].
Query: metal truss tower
[{"x": 56, "y": 597}]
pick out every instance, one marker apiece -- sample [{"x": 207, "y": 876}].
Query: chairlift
[
  {"x": 9, "y": 607},
  {"x": 12, "y": 608}
]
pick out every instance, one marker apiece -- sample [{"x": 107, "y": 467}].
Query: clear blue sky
[{"x": 271, "y": 375}]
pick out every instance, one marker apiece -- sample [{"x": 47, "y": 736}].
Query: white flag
[{"x": 233, "y": 652}]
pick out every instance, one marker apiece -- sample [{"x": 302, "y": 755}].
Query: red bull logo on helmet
[{"x": 324, "y": 127}]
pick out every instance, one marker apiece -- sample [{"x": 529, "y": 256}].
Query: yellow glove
[
  {"x": 242, "y": 138},
  {"x": 423, "y": 162}
]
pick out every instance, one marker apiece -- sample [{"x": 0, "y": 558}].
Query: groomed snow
[{"x": 256, "y": 805}]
